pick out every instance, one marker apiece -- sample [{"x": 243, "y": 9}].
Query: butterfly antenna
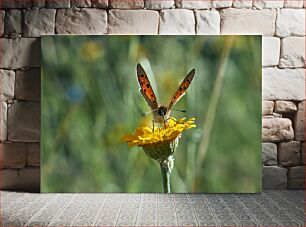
[
  {"x": 183, "y": 111},
  {"x": 146, "y": 113}
]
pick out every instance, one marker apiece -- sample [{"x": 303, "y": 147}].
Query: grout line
[
  {"x": 270, "y": 215},
  {"x": 21, "y": 197},
  {"x": 212, "y": 212},
  {"x": 156, "y": 210},
  {"x": 61, "y": 210},
  {"x": 119, "y": 213},
  {"x": 229, "y": 210},
  {"x": 41, "y": 209},
  {"x": 279, "y": 207},
  {"x": 107, "y": 21},
  {"x": 275, "y": 23},
  {"x": 194, "y": 214},
  {"x": 55, "y": 16},
  {"x": 286, "y": 200},
  {"x": 195, "y": 21},
  {"x": 157, "y": 213},
  {"x": 175, "y": 211},
  {"x": 81, "y": 210},
  {"x": 159, "y": 21},
  {"x": 138, "y": 209},
  {"x": 249, "y": 211},
  {"x": 102, "y": 207}
]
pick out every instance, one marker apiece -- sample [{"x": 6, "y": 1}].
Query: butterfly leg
[
  {"x": 154, "y": 124},
  {"x": 173, "y": 120},
  {"x": 165, "y": 125},
  {"x": 166, "y": 120}
]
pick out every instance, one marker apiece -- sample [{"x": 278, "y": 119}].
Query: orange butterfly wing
[
  {"x": 182, "y": 89},
  {"x": 145, "y": 87}
]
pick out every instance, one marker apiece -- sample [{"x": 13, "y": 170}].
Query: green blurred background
[{"x": 90, "y": 99}]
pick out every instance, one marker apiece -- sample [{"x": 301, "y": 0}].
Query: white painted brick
[
  {"x": 55, "y": 4},
  {"x": 299, "y": 122},
  {"x": 24, "y": 122},
  {"x": 282, "y": 106},
  {"x": 270, "y": 51},
  {"x": 276, "y": 129},
  {"x": 39, "y": 22},
  {"x": 25, "y": 179},
  {"x": 133, "y": 22},
  {"x": 41, "y": 3},
  {"x": 15, "y": 4},
  {"x": 99, "y": 3},
  {"x": 293, "y": 4},
  {"x": 221, "y": 3},
  {"x": 80, "y": 3},
  {"x": 208, "y": 22},
  {"x": 296, "y": 177},
  {"x": 2, "y": 14},
  {"x": 27, "y": 84},
  {"x": 267, "y": 107},
  {"x": 7, "y": 84},
  {"x": 261, "y": 4},
  {"x": 159, "y": 4},
  {"x": 283, "y": 84},
  {"x": 289, "y": 153},
  {"x": 20, "y": 52},
  {"x": 13, "y": 21},
  {"x": 269, "y": 154},
  {"x": 8, "y": 178},
  {"x": 177, "y": 21},
  {"x": 13, "y": 155},
  {"x": 290, "y": 22},
  {"x": 126, "y": 4},
  {"x": 33, "y": 157},
  {"x": 242, "y": 3},
  {"x": 248, "y": 21},
  {"x": 193, "y": 4},
  {"x": 293, "y": 52},
  {"x": 81, "y": 21},
  {"x": 274, "y": 177},
  {"x": 3, "y": 121},
  {"x": 303, "y": 153}
]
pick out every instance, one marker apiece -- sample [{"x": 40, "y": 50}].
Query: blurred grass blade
[{"x": 211, "y": 112}]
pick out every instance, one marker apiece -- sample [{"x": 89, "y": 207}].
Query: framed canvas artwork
[{"x": 151, "y": 114}]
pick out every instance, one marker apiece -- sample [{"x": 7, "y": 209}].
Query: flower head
[
  {"x": 159, "y": 143},
  {"x": 169, "y": 132}
]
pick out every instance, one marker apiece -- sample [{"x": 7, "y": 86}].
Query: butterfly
[{"x": 161, "y": 113}]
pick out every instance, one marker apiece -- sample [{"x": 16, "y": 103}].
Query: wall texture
[{"x": 281, "y": 22}]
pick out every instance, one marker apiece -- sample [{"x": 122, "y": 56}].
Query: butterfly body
[{"x": 161, "y": 113}]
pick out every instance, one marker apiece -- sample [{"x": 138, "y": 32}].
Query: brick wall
[{"x": 281, "y": 22}]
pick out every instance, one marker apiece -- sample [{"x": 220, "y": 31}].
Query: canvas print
[{"x": 144, "y": 114}]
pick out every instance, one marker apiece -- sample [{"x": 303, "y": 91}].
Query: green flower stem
[
  {"x": 166, "y": 167},
  {"x": 166, "y": 178},
  {"x": 163, "y": 154}
]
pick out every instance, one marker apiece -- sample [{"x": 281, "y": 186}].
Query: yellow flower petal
[
  {"x": 170, "y": 131},
  {"x": 129, "y": 137}
]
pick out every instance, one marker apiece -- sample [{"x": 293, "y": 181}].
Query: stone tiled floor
[{"x": 270, "y": 208}]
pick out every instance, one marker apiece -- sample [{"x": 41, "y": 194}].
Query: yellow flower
[
  {"x": 170, "y": 131},
  {"x": 160, "y": 144},
  {"x": 91, "y": 51}
]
